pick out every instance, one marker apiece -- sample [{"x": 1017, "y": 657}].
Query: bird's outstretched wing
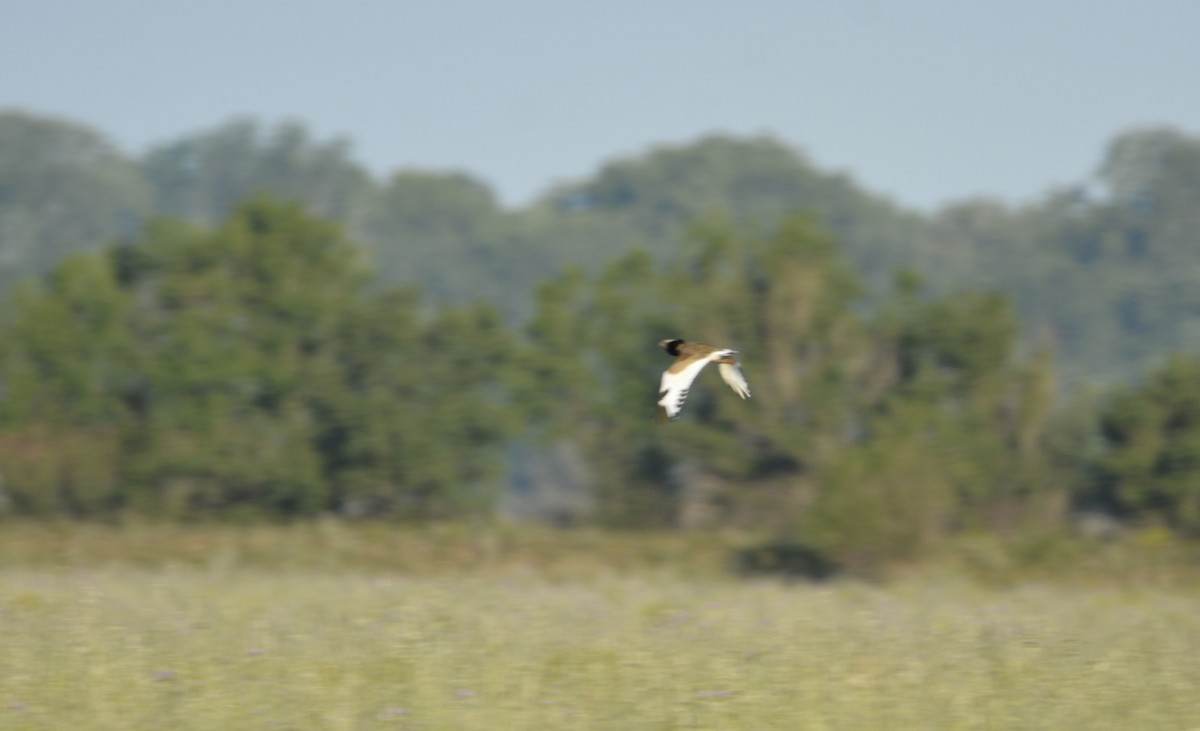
[
  {"x": 673, "y": 390},
  {"x": 732, "y": 373}
]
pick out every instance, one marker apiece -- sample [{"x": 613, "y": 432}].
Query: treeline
[
  {"x": 1105, "y": 272},
  {"x": 254, "y": 369},
  {"x": 244, "y": 370}
]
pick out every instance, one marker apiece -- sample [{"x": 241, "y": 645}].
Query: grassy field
[{"x": 228, "y": 643}]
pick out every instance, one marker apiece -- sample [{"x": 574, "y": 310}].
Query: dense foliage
[
  {"x": 243, "y": 369},
  {"x": 1104, "y": 272},
  {"x": 232, "y": 355},
  {"x": 868, "y": 436},
  {"x": 248, "y": 369}
]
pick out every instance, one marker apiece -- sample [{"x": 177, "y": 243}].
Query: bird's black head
[{"x": 671, "y": 346}]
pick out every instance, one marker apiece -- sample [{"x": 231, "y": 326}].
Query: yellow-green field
[{"x": 233, "y": 645}]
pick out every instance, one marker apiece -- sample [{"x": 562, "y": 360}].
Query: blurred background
[
  {"x": 328, "y": 364},
  {"x": 409, "y": 261}
]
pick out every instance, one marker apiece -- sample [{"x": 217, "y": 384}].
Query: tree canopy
[
  {"x": 243, "y": 368},
  {"x": 248, "y": 369},
  {"x": 246, "y": 322},
  {"x": 1105, "y": 272}
]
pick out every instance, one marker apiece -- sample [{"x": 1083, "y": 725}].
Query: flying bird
[{"x": 690, "y": 359}]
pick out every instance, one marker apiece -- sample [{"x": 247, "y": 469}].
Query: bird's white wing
[
  {"x": 732, "y": 373},
  {"x": 674, "y": 388}
]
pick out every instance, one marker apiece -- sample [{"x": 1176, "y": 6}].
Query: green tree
[
  {"x": 447, "y": 233},
  {"x": 63, "y": 188},
  {"x": 66, "y": 362},
  {"x": 870, "y": 437},
  {"x": 955, "y": 434},
  {"x": 595, "y": 345},
  {"x": 652, "y": 199},
  {"x": 417, "y": 429},
  {"x": 235, "y": 324},
  {"x": 204, "y": 177},
  {"x": 1151, "y": 438},
  {"x": 246, "y": 370}
]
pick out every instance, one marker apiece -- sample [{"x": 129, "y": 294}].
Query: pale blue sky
[{"x": 922, "y": 100}]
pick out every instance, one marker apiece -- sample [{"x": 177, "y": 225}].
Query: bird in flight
[{"x": 690, "y": 359}]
